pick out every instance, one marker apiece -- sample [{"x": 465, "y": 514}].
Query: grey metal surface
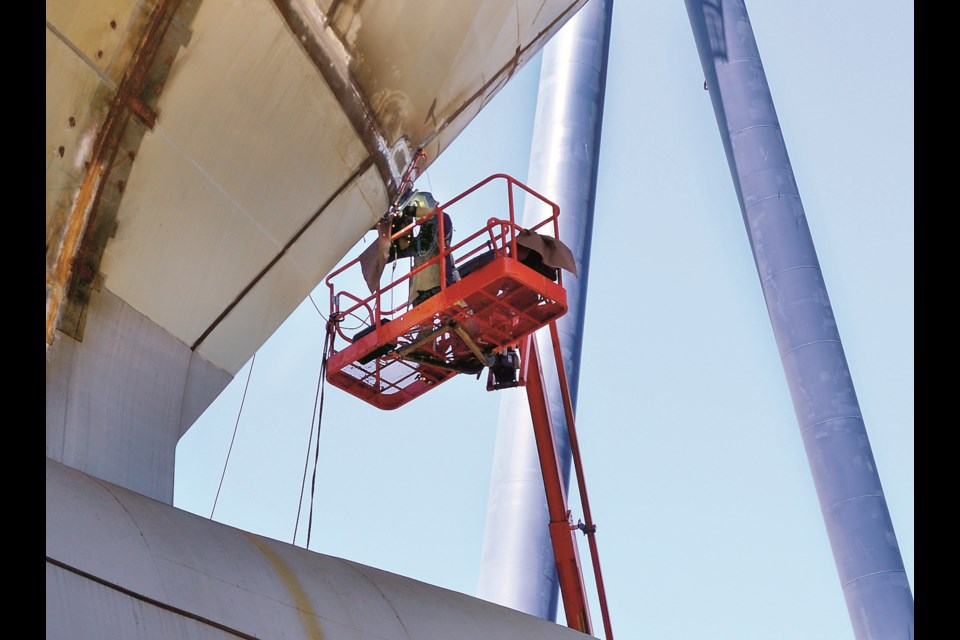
[
  {"x": 517, "y": 564},
  {"x": 122, "y": 566},
  {"x": 117, "y": 404},
  {"x": 865, "y": 549}
]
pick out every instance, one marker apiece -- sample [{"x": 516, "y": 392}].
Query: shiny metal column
[
  {"x": 517, "y": 566},
  {"x": 861, "y": 534}
]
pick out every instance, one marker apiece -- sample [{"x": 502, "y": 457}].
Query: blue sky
[{"x": 708, "y": 521}]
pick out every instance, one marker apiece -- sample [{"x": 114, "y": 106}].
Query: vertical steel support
[
  {"x": 517, "y": 563},
  {"x": 865, "y": 549}
]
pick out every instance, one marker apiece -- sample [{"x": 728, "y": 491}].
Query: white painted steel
[
  {"x": 250, "y": 141},
  {"x": 103, "y": 418},
  {"x": 120, "y": 565}
]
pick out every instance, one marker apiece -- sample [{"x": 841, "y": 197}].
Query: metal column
[
  {"x": 517, "y": 566},
  {"x": 865, "y": 549}
]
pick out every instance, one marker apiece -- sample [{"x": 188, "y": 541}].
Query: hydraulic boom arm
[{"x": 562, "y": 530}]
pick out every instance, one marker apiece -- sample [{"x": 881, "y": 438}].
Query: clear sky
[{"x": 708, "y": 521}]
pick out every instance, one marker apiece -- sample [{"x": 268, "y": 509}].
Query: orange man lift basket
[
  {"x": 389, "y": 354},
  {"x": 510, "y": 285}
]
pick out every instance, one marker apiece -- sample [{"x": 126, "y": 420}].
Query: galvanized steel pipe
[
  {"x": 517, "y": 565},
  {"x": 865, "y": 549}
]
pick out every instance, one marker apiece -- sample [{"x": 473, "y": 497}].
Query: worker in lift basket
[{"x": 424, "y": 246}]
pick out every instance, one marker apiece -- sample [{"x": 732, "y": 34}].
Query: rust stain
[
  {"x": 145, "y": 114},
  {"x": 508, "y": 69},
  {"x": 57, "y": 281},
  {"x": 301, "y": 601},
  {"x": 358, "y": 107},
  {"x": 62, "y": 274},
  {"x": 357, "y": 111}
]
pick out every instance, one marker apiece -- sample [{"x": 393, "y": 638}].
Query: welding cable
[
  {"x": 318, "y": 416},
  {"x": 234, "y": 437},
  {"x": 316, "y": 307}
]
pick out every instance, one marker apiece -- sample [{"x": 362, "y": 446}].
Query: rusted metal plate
[
  {"x": 103, "y": 32},
  {"x": 73, "y": 250},
  {"x": 77, "y": 102}
]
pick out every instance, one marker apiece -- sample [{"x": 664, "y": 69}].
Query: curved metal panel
[
  {"x": 235, "y": 167},
  {"x": 260, "y": 113},
  {"x": 147, "y": 568}
]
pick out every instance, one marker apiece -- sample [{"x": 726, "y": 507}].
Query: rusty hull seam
[
  {"x": 306, "y": 225},
  {"x": 101, "y": 161},
  {"x": 358, "y": 113},
  {"x": 362, "y": 122},
  {"x": 361, "y": 117},
  {"x": 140, "y": 109}
]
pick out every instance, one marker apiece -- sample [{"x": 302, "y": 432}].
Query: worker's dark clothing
[{"x": 422, "y": 248}]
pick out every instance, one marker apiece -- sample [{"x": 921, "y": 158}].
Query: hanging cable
[
  {"x": 316, "y": 307},
  {"x": 317, "y": 415},
  {"x": 426, "y": 174},
  {"x": 234, "y": 437},
  {"x": 306, "y": 462},
  {"x": 316, "y": 456}
]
